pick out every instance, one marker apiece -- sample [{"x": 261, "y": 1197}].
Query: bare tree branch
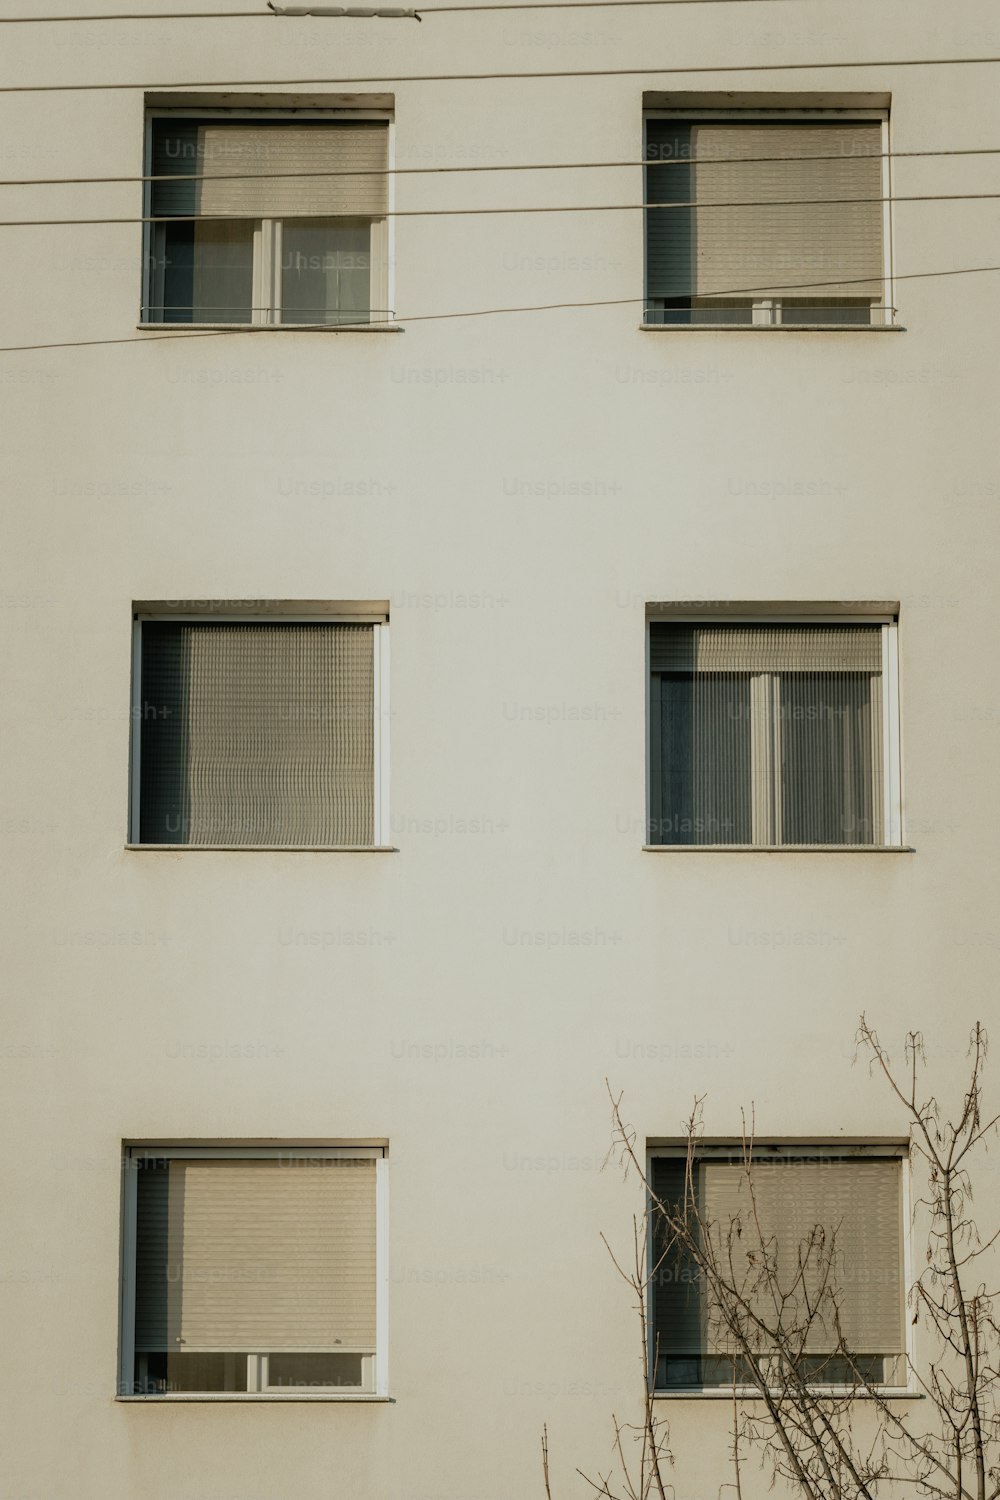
[{"x": 809, "y": 1405}]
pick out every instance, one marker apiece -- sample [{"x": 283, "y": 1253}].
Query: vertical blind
[
  {"x": 856, "y": 1202},
  {"x": 245, "y": 152},
  {"x": 758, "y": 228},
  {"x": 257, "y": 734},
  {"x": 256, "y": 1256},
  {"x": 767, "y": 734}
]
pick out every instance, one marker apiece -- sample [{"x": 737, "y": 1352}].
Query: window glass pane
[
  {"x": 692, "y": 1373},
  {"x": 830, "y": 1369},
  {"x": 705, "y": 758},
  {"x": 699, "y": 311},
  {"x": 713, "y": 1372},
  {"x": 223, "y": 271},
  {"x": 323, "y": 1370},
  {"x": 705, "y": 311},
  {"x": 826, "y": 758},
  {"x": 207, "y": 271},
  {"x": 847, "y": 313},
  {"x": 667, "y": 310},
  {"x": 164, "y": 1374},
  {"x": 325, "y": 271},
  {"x": 174, "y": 263}
]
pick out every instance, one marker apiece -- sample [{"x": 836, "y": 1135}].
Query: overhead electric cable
[
  {"x": 271, "y": 14},
  {"x": 548, "y": 73},
  {"x": 542, "y": 208},
  {"x": 557, "y": 166},
  {"x": 402, "y": 320}
]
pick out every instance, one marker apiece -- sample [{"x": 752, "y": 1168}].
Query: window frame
[
  {"x": 131, "y": 1151},
  {"x": 726, "y": 1150},
  {"x": 892, "y": 790},
  {"x": 766, "y": 311},
  {"x": 380, "y": 715},
  {"x": 267, "y": 232}
]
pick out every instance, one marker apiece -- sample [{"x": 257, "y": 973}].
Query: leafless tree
[
  {"x": 957, "y": 1456},
  {"x": 772, "y": 1306}
]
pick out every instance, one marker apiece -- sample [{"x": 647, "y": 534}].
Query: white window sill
[
  {"x": 772, "y": 328},
  {"x": 262, "y": 848},
  {"x": 255, "y": 1396},
  {"x": 778, "y": 849},
  {"x": 272, "y": 327},
  {"x": 750, "y": 1393}
]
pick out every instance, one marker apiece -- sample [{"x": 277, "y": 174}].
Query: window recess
[
  {"x": 260, "y": 732},
  {"x": 275, "y": 221},
  {"x": 766, "y": 221},
  {"x": 252, "y": 1274},
  {"x": 836, "y": 1214},
  {"x": 773, "y": 734}
]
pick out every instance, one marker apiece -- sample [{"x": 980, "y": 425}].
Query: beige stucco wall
[{"x": 518, "y": 487}]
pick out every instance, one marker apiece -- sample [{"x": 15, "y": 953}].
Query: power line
[
  {"x": 260, "y": 15},
  {"x": 165, "y": 15},
  {"x": 647, "y": 72},
  {"x": 545, "y": 208},
  {"x": 558, "y": 166},
  {"x": 482, "y": 312},
  {"x": 572, "y": 5}
]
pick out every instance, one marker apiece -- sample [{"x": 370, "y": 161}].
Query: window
[
  {"x": 253, "y": 1272},
  {"x": 259, "y": 731},
  {"x": 778, "y": 220},
  {"x": 854, "y": 1198},
  {"x": 773, "y": 733},
  {"x": 267, "y": 221}
]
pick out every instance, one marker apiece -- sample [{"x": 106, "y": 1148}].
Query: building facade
[{"x": 682, "y": 525}]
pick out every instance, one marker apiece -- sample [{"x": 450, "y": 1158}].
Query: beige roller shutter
[
  {"x": 261, "y": 1257},
  {"x": 765, "y": 648},
  {"x": 257, "y": 149},
  {"x": 780, "y": 224},
  {"x": 857, "y": 1201},
  {"x": 262, "y": 733}
]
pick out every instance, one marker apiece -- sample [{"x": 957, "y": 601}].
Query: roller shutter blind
[
  {"x": 256, "y": 1256},
  {"x": 860, "y": 1201},
  {"x": 257, "y": 734},
  {"x": 790, "y": 227},
  {"x": 765, "y": 648},
  {"x": 238, "y": 157}
]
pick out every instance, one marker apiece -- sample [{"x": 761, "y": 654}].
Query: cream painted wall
[{"x": 518, "y": 487}]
